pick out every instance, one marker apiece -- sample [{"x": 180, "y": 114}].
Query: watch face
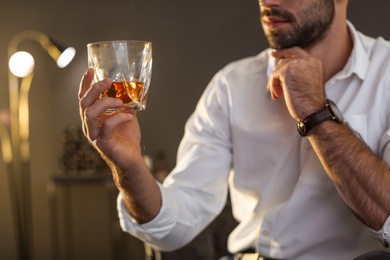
[
  {"x": 302, "y": 128},
  {"x": 336, "y": 113}
]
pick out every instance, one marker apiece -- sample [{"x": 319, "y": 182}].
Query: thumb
[{"x": 275, "y": 86}]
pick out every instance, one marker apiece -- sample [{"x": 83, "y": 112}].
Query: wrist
[
  {"x": 329, "y": 111},
  {"x": 309, "y": 108}
]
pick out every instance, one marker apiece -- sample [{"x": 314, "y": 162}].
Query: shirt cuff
[
  {"x": 383, "y": 235},
  {"x": 155, "y": 229}
]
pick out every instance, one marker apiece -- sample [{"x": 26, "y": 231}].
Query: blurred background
[{"x": 73, "y": 211}]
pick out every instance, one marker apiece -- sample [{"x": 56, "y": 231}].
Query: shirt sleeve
[
  {"x": 195, "y": 192},
  {"x": 383, "y": 235},
  {"x": 155, "y": 229}
]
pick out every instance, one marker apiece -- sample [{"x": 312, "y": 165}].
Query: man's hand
[
  {"x": 116, "y": 136},
  {"x": 299, "y": 77},
  {"x": 360, "y": 177}
]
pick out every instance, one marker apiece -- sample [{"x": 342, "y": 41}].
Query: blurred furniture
[{"x": 60, "y": 190}]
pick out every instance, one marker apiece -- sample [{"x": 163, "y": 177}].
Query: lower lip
[{"x": 275, "y": 25}]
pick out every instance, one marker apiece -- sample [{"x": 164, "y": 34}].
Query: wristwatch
[{"x": 329, "y": 112}]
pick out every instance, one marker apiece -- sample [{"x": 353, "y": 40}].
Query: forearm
[
  {"x": 362, "y": 179},
  {"x": 117, "y": 137},
  {"x": 141, "y": 194}
]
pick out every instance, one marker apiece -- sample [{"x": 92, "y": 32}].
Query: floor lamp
[{"x": 16, "y": 145}]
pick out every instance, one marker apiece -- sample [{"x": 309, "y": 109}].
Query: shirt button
[{"x": 265, "y": 233}]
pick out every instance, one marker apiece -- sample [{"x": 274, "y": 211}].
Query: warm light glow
[
  {"x": 5, "y": 143},
  {"x": 66, "y": 57},
  {"x": 21, "y": 64}
]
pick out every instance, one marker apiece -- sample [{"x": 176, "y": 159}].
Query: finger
[
  {"x": 94, "y": 115},
  {"x": 112, "y": 122},
  {"x": 108, "y": 128},
  {"x": 92, "y": 94},
  {"x": 89, "y": 95},
  {"x": 85, "y": 85},
  {"x": 85, "y": 82},
  {"x": 275, "y": 87},
  {"x": 293, "y": 52}
]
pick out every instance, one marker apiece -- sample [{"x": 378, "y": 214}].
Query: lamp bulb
[{"x": 21, "y": 64}]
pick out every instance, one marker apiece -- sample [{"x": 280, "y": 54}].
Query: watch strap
[{"x": 314, "y": 119}]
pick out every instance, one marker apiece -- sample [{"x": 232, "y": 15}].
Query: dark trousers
[
  {"x": 377, "y": 255},
  {"x": 374, "y": 256}
]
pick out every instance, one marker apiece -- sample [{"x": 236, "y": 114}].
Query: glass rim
[{"x": 118, "y": 41}]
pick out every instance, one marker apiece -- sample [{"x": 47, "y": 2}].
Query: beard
[{"x": 312, "y": 25}]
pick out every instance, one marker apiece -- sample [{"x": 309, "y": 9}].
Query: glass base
[{"x": 124, "y": 109}]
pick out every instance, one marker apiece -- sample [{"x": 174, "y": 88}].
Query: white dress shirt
[{"x": 238, "y": 137}]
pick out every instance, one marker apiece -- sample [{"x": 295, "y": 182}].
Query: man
[{"x": 322, "y": 192}]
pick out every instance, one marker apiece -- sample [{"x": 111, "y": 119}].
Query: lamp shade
[
  {"x": 61, "y": 55},
  {"x": 21, "y": 64},
  {"x": 66, "y": 57}
]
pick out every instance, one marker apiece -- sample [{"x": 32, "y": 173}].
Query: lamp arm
[
  {"x": 20, "y": 37},
  {"x": 5, "y": 144},
  {"x": 17, "y": 146},
  {"x": 13, "y": 84},
  {"x": 41, "y": 38},
  {"x": 15, "y": 95},
  {"x": 24, "y": 118}
]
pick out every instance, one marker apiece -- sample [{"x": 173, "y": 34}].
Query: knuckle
[
  {"x": 98, "y": 87},
  {"x": 82, "y": 102},
  {"x": 88, "y": 113},
  {"x": 107, "y": 124},
  {"x": 101, "y": 86}
]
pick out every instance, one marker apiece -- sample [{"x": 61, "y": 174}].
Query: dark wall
[{"x": 191, "y": 41}]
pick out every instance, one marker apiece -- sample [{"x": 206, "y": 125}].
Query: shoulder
[
  {"x": 375, "y": 47},
  {"x": 372, "y": 47},
  {"x": 246, "y": 66}
]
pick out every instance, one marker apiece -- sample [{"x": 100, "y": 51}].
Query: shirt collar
[{"x": 358, "y": 61}]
